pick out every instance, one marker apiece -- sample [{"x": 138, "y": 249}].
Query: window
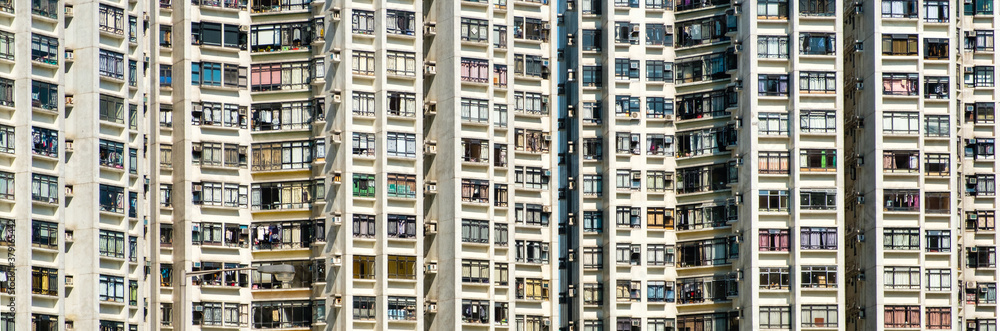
[
  {"x": 282, "y": 155},
  {"x": 500, "y": 115},
  {"x": 475, "y": 70},
  {"x": 899, "y": 84},
  {"x": 7, "y": 90},
  {"x": 44, "y": 281},
  {"x": 593, "y": 221},
  {"x": 475, "y": 271},
  {"x": 901, "y": 161},
  {"x": 656, "y": 34},
  {"x": 111, "y": 244},
  {"x": 657, "y": 107},
  {"x": 363, "y": 63},
  {"x": 775, "y": 317},
  {"x": 900, "y": 123},
  {"x": 476, "y": 311},
  {"x": 626, "y": 69},
  {"x": 938, "y": 279},
  {"x": 42, "y": 322},
  {"x": 901, "y": 277},
  {"x": 363, "y": 225},
  {"x": 980, "y": 112},
  {"x": 112, "y": 109},
  {"x": 936, "y": 11},
  {"x": 902, "y": 316},
  {"x": 901, "y": 239},
  {"x": 772, "y": 162},
  {"x": 772, "y": 85},
  {"x": 475, "y": 110},
  {"x": 819, "y": 276},
  {"x": 530, "y": 66},
  {"x": 979, "y": 7},
  {"x": 530, "y": 28},
  {"x": 818, "y": 238},
  {"x": 935, "y": 48},
  {"x": 626, "y": 254},
  {"x": 659, "y": 181},
  {"x": 44, "y": 188},
  {"x": 627, "y": 180},
  {"x": 980, "y": 220},
  {"x": 401, "y": 186},
  {"x": 938, "y": 317},
  {"x": 166, "y": 75},
  {"x": 43, "y": 95},
  {"x": 936, "y": 87},
  {"x": 166, "y": 36},
  {"x": 772, "y": 9},
  {"x": 363, "y": 22},
  {"x": 111, "y": 64},
  {"x": 402, "y": 267},
  {"x": 937, "y": 126},
  {"x": 401, "y": 22},
  {"x": 593, "y": 257},
  {"x": 112, "y": 199},
  {"x": 530, "y": 103},
  {"x": 772, "y": 47},
  {"x": 628, "y": 291},
  {"x": 591, "y": 112},
  {"x": 286, "y": 195},
  {"x": 818, "y": 160},
  {"x": 938, "y": 240},
  {"x": 531, "y": 177},
  {"x": 531, "y": 251},
  {"x": 266, "y": 37},
  {"x": 626, "y": 33},
  {"x": 899, "y": 8},
  {"x": 531, "y": 214},
  {"x": 401, "y": 104},
  {"x": 592, "y": 185},
  {"x": 981, "y": 257},
  {"x": 817, "y": 7},
  {"x": 979, "y": 76},
  {"x": 532, "y": 289},
  {"x": 400, "y": 144},
  {"x": 111, "y": 154},
  {"x": 475, "y": 30},
  {"x": 475, "y": 231},
  {"x": 112, "y": 288},
  {"x": 774, "y": 278},
  {"x": 44, "y": 49},
  {"x": 7, "y": 45},
  {"x": 813, "y": 43},
  {"x": 980, "y": 149},
  {"x": 773, "y": 240},
  {"x": 501, "y": 235},
  {"x": 364, "y": 185},
  {"x": 819, "y": 316},
  {"x": 817, "y": 82},
  {"x": 710, "y": 252},
  {"x": 283, "y": 76},
  {"x": 940, "y": 202},
  {"x": 659, "y": 255}
]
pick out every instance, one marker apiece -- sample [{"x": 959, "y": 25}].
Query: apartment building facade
[{"x": 498, "y": 165}]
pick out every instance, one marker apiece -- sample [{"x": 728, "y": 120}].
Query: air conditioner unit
[
  {"x": 636, "y": 249},
  {"x": 570, "y": 39},
  {"x": 337, "y": 260},
  {"x": 337, "y": 136},
  {"x": 244, "y": 28},
  {"x": 547, "y": 137},
  {"x": 546, "y": 209},
  {"x": 547, "y": 26},
  {"x": 738, "y": 48},
  {"x": 859, "y": 46},
  {"x": 335, "y": 13},
  {"x": 633, "y": 64},
  {"x": 338, "y": 301},
  {"x": 337, "y": 96},
  {"x": 430, "y": 146},
  {"x": 338, "y": 220},
  {"x": 430, "y": 28},
  {"x": 668, "y": 117},
  {"x": 431, "y": 306},
  {"x": 430, "y": 187},
  {"x": 430, "y": 107},
  {"x": 571, "y": 75},
  {"x": 335, "y": 55},
  {"x": 431, "y": 268},
  {"x": 430, "y": 69},
  {"x": 969, "y": 70},
  {"x": 634, "y": 115},
  {"x": 430, "y": 227}
]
